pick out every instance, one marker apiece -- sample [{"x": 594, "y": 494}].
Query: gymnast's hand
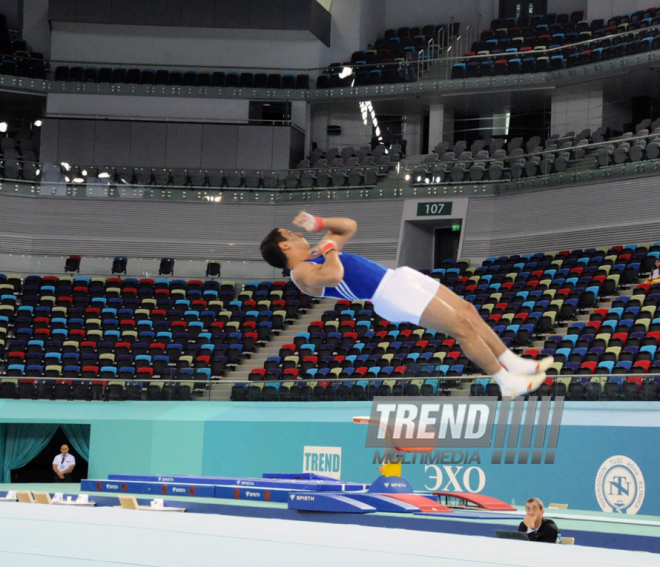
[
  {"x": 309, "y": 223},
  {"x": 323, "y": 247}
]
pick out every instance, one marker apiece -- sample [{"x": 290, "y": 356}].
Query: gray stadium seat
[
  {"x": 197, "y": 177},
  {"x": 270, "y": 180},
  {"x": 252, "y": 179},
  {"x": 292, "y": 180},
  {"x": 234, "y": 178},
  {"x": 355, "y": 176},
  {"x": 179, "y": 177}
]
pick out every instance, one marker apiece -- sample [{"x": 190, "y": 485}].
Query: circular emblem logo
[
  {"x": 191, "y": 491},
  {"x": 163, "y": 489},
  {"x": 237, "y": 493},
  {"x": 99, "y": 486},
  {"x": 267, "y": 495},
  {"x": 620, "y": 486},
  {"x": 124, "y": 487}
]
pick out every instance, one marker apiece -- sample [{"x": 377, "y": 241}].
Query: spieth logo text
[{"x": 522, "y": 431}]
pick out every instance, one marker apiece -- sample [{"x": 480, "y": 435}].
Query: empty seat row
[{"x": 164, "y": 77}]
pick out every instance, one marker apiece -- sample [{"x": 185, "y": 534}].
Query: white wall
[
  {"x": 36, "y": 30},
  {"x": 441, "y": 125},
  {"x": 353, "y": 130},
  {"x": 167, "y": 108},
  {"x": 422, "y": 12},
  {"x": 568, "y": 6},
  {"x": 575, "y": 112},
  {"x": 412, "y": 132},
  {"x": 11, "y": 9},
  {"x": 355, "y": 23},
  {"x": 605, "y": 9},
  {"x": 372, "y": 22},
  {"x": 148, "y": 45}
]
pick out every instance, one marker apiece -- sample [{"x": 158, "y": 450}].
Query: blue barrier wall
[{"x": 249, "y": 439}]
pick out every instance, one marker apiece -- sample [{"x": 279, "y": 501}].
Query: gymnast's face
[{"x": 295, "y": 239}]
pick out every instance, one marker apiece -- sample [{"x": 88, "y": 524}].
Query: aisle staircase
[{"x": 221, "y": 390}]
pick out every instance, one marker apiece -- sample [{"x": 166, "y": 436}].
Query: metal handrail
[
  {"x": 401, "y": 167},
  {"x": 215, "y": 380},
  {"x": 545, "y": 152}
]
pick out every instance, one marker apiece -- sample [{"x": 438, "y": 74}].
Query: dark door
[
  {"x": 446, "y": 244},
  {"x": 517, "y": 8},
  {"x": 391, "y": 130}
]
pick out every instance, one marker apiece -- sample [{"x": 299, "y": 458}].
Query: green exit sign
[
  {"x": 456, "y": 227},
  {"x": 433, "y": 209}
]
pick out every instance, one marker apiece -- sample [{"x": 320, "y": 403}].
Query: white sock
[
  {"x": 516, "y": 365},
  {"x": 503, "y": 378}
]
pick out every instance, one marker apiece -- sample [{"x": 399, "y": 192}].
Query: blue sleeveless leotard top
[{"x": 361, "y": 278}]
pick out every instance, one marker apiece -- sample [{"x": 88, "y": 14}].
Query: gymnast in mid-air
[{"x": 401, "y": 295}]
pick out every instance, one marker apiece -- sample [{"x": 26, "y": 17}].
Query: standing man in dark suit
[{"x": 535, "y": 525}]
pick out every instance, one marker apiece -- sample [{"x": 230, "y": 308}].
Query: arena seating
[
  {"x": 391, "y": 59},
  {"x": 555, "y": 41},
  {"x": 16, "y": 59},
  {"x": 121, "y": 333},
  {"x": 19, "y": 157},
  {"x": 493, "y": 161},
  {"x": 331, "y": 168},
  {"x": 510, "y": 46},
  {"x": 345, "y": 167},
  {"x": 173, "y": 78},
  {"x": 525, "y": 298}
]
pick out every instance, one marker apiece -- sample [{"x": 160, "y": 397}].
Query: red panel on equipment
[
  {"x": 422, "y": 502},
  {"x": 485, "y": 502}
]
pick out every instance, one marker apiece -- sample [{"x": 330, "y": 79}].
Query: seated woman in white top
[{"x": 655, "y": 274}]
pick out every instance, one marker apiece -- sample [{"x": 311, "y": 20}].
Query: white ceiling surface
[{"x": 109, "y": 536}]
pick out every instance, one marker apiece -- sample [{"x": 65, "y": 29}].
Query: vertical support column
[
  {"x": 441, "y": 125},
  {"x": 301, "y": 116}
]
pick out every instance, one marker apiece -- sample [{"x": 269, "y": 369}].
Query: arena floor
[{"x": 34, "y": 535}]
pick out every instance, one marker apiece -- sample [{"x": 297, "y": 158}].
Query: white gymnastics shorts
[{"x": 403, "y": 295}]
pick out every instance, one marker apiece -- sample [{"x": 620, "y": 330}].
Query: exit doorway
[{"x": 447, "y": 241}]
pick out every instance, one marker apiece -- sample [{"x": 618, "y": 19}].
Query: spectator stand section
[
  {"x": 17, "y": 60},
  {"x": 552, "y": 42},
  {"x": 568, "y": 304},
  {"x": 20, "y": 156},
  {"x": 161, "y": 77},
  {"x": 346, "y": 168},
  {"x": 501, "y": 160},
  {"x": 111, "y": 339},
  {"x": 538, "y": 43}
]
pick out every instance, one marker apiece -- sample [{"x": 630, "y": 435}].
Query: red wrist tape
[
  {"x": 318, "y": 224},
  {"x": 329, "y": 245}
]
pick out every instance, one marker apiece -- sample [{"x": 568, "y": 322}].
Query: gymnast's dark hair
[{"x": 271, "y": 251}]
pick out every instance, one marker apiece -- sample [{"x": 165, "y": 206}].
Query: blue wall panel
[{"x": 249, "y": 439}]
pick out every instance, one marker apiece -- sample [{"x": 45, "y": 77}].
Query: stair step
[{"x": 222, "y": 391}]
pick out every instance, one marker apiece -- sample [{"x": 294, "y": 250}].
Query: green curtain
[
  {"x": 78, "y": 435},
  {"x": 23, "y": 442},
  {"x": 2, "y": 448}
]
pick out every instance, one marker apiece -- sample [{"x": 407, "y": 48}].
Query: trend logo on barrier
[
  {"x": 325, "y": 460},
  {"x": 524, "y": 432},
  {"x": 620, "y": 486}
]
